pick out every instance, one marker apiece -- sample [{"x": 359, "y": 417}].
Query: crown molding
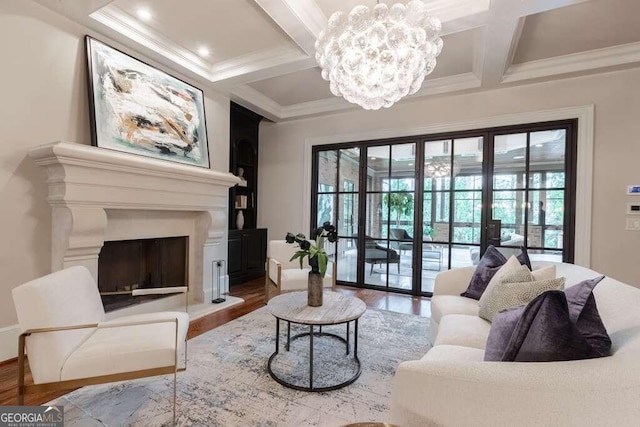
[
  {"x": 123, "y": 23},
  {"x": 253, "y": 99},
  {"x": 576, "y": 62},
  {"x": 256, "y": 101},
  {"x": 252, "y": 66},
  {"x": 256, "y": 61},
  {"x": 448, "y": 84},
  {"x": 326, "y": 105}
]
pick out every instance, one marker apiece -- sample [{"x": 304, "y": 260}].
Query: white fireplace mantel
[{"x": 86, "y": 182}]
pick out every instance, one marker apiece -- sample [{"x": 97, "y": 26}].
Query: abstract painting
[{"x": 139, "y": 109}]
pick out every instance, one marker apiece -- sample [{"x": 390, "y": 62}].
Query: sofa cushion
[
  {"x": 513, "y": 289},
  {"x": 442, "y": 305},
  {"x": 463, "y": 330},
  {"x": 454, "y": 353},
  {"x": 541, "y": 331},
  {"x": 488, "y": 266},
  {"x": 584, "y": 314}
]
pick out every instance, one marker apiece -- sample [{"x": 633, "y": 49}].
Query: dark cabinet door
[
  {"x": 247, "y": 254},
  {"x": 235, "y": 254},
  {"x": 256, "y": 245}
]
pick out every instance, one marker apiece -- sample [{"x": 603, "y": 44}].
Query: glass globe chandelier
[
  {"x": 374, "y": 58},
  {"x": 440, "y": 169}
]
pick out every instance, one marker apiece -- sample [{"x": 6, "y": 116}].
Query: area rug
[{"x": 227, "y": 384}]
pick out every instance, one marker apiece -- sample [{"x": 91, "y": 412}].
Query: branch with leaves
[{"x": 315, "y": 252}]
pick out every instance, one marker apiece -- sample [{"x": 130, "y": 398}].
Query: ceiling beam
[
  {"x": 302, "y": 20},
  {"x": 499, "y": 45},
  {"x": 530, "y": 7}
]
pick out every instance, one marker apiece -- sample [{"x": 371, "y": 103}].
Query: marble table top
[{"x": 336, "y": 308}]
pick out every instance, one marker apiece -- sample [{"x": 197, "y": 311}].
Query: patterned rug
[{"x": 227, "y": 384}]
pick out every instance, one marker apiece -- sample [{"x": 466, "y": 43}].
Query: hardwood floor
[{"x": 253, "y": 294}]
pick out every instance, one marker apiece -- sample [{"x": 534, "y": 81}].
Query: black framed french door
[{"x": 408, "y": 208}]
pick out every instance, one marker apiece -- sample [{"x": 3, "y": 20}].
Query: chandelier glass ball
[
  {"x": 375, "y": 57},
  {"x": 437, "y": 169}
]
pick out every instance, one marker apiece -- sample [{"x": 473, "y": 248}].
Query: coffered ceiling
[{"x": 261, "y": 52}]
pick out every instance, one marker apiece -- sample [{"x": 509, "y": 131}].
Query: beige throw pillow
[
  {"x": 546, "y": 273},
  {"x": 512, "y": 265},
  {"x": 513, "y": 289}
]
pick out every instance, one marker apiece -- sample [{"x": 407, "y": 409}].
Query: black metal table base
[{"x": 311, "y": 334}]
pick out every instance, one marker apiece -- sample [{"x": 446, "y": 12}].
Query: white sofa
[{"x": 453, "y": 386}]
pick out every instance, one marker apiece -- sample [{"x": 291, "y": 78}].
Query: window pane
[
  {"x": 403, "y": 166},
  {"x": 326, "y": 208},
  {"x": 376, "y": 224},
  {"x": 467, "y": 162},
  {"x": 437, "y": 165},
  {"x": 508, "y": 207},
  {"x": 555, "y": 180},
  {"x": 546, "y": 219},
  {"x": 348, "y": 218},
  {"x": 400, "y": 207},
  {"x": 378, "y": 168},
  {"x": 347, "y": 260},
  {"x": 349, "y": 169},
  {"x": 327, "y": 170},
  {"x": 509, "y": 161},
  {"x": 547, "y": 153},
  {"x": 463, "y": 255},
  {"x": 555, "y": 207},
  {"x": 427, "y": 222},
  {"x": 467, "y": 213},
  {"x": 440, "y": 205}
]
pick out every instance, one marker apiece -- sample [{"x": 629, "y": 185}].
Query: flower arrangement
[{"x": 315, "y": 251}]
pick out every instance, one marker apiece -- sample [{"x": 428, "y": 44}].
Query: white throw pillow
[
  {"x": 512, "y": 265},
  {"x": 513, "y": 289}
]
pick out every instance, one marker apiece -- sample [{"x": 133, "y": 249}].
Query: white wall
[
  {"x": 614, "y": 250},
  {"x": 43, "y": 98}
]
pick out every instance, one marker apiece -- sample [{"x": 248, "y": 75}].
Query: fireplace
[
  {"x": 126, "y": 265},
  {"x": 99, "y": 196}
]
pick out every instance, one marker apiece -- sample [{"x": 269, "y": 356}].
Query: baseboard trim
[{"x": 9, "y": 342}]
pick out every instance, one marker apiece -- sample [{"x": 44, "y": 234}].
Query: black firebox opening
[{"x": 126, "y": 265}]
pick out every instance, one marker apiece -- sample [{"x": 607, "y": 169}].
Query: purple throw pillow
[
  {"x": 544, "y": 330},
  {"x": 488, "y": 266},
  {"x": 584, "y": 314}
]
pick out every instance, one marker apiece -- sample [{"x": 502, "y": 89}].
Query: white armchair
[
  {"x": 285, "y": 276},
  {"x": 70, "y": 344}
]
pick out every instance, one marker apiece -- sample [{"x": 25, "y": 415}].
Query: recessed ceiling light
[
  {"x": 144, "y": 14},
  {"x": 518, "y": 157},
  {"x": 203, "y": 51},
  {"x": 538, "y": 145},
  {"x": 372, "y": 158},
  {"x": 410, "y": 164}
]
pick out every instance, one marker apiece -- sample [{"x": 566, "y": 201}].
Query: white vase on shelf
[{"x": 239, "y": 220}]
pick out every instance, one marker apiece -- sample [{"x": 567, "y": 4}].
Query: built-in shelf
[{"x": 248, "y": 245}]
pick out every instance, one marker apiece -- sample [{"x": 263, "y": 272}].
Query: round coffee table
[{"x": 336, "y": 309}]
